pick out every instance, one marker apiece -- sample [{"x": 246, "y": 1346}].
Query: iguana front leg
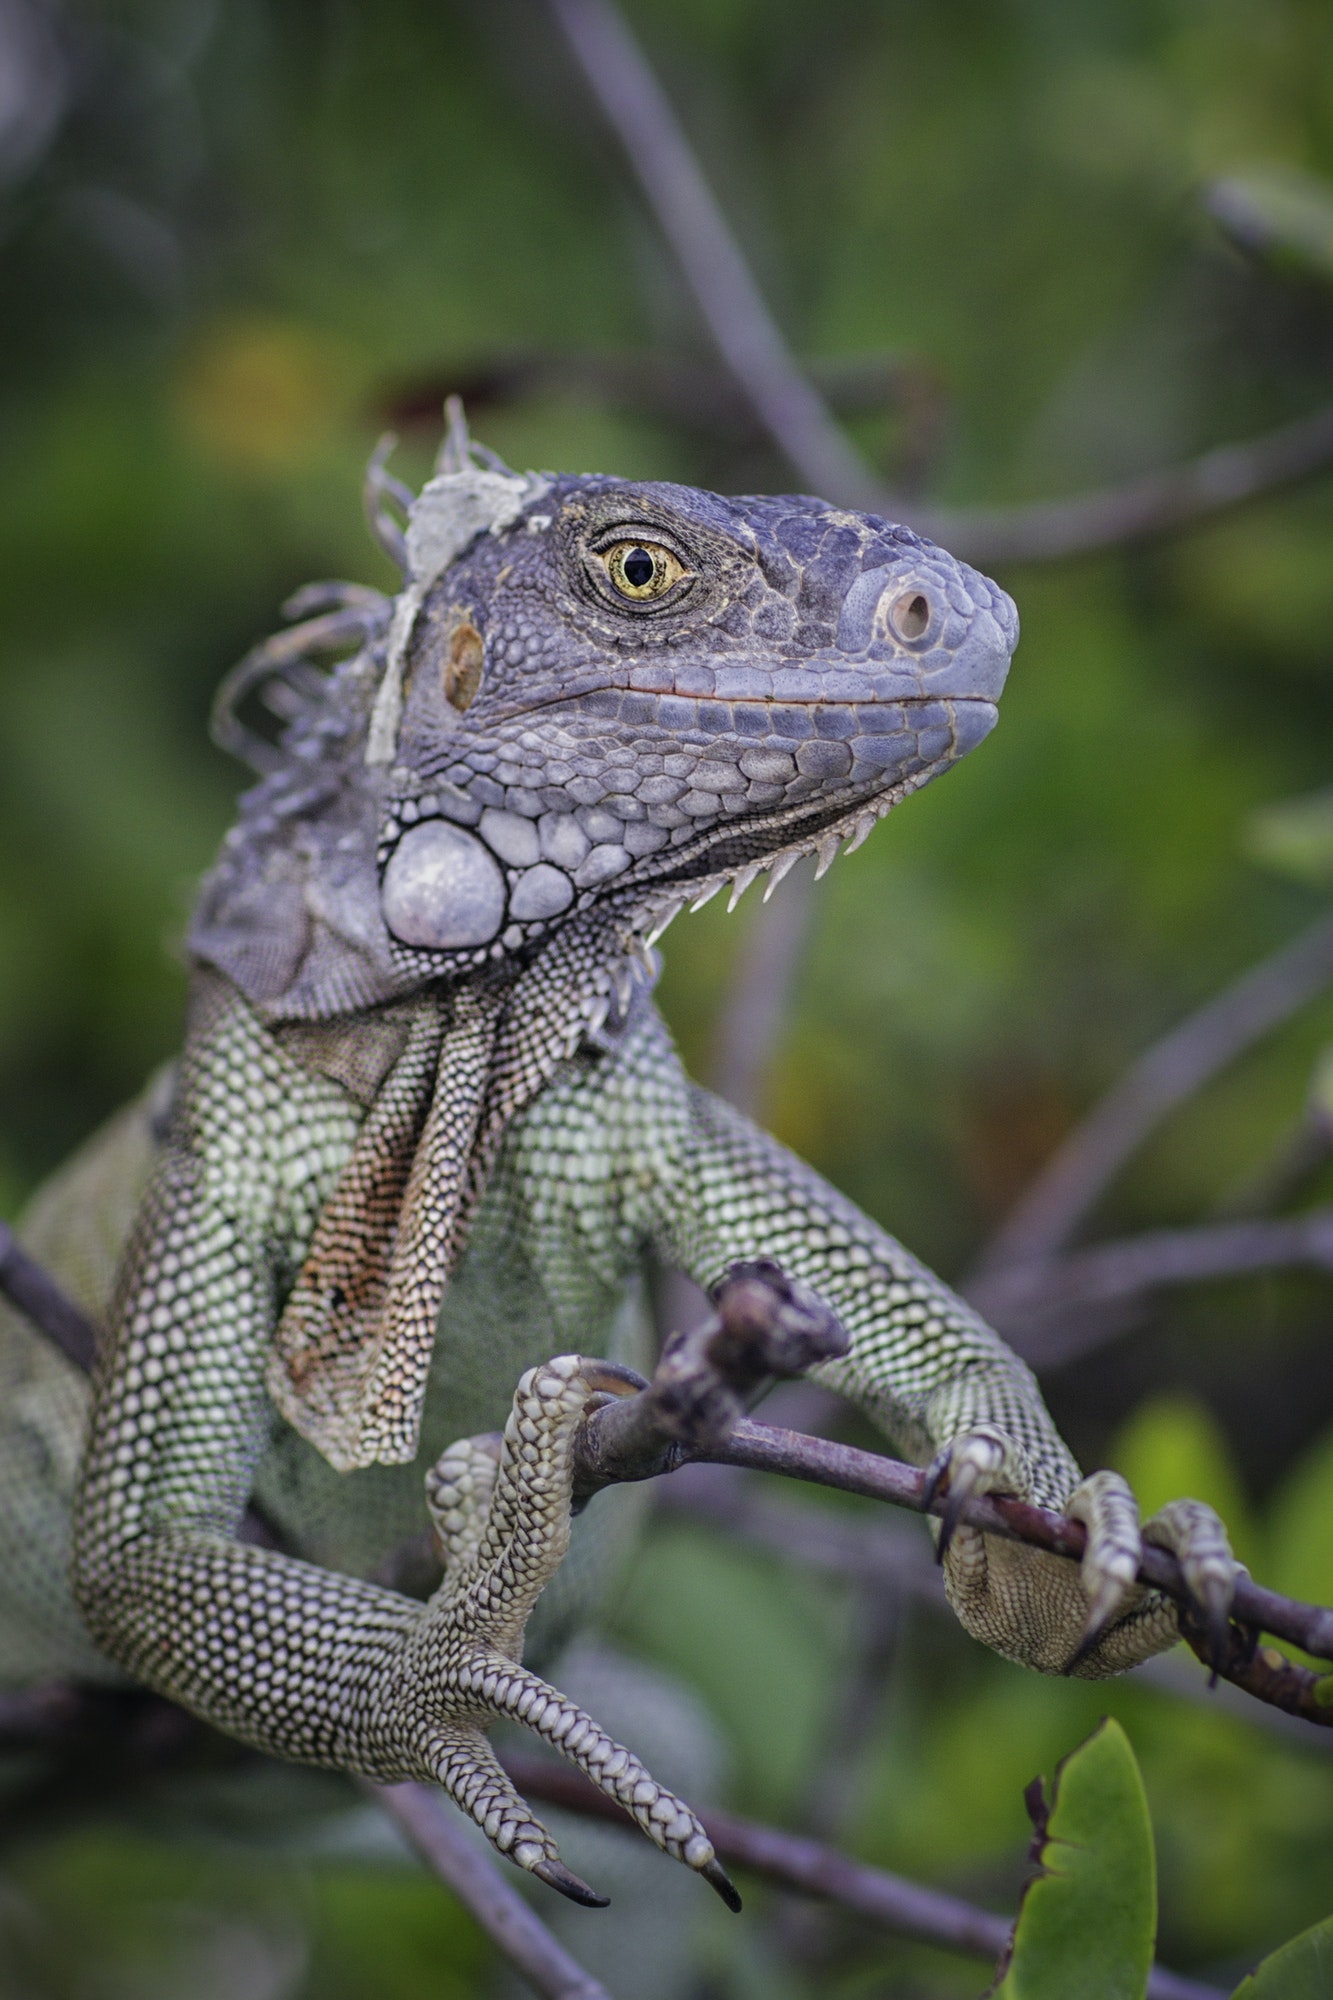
[
  {"x": 303, "y": 1662},
  {"x": 949, "y": 1393}
]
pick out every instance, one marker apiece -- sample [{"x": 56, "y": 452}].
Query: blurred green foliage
[
  {"x": 1300, "y": 1970},
  {"x": 234, "y": 242}
]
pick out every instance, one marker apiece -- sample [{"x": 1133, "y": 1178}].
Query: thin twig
[
  {"x": 796, "y": 416},
  {"x": 1017, "y": 1298},
  {"x": 733, "y": 307},
  {"x": 764, "y": 1324},
  {"x": 1158, "y": 503},
  {"x": 1078, "y": 1173},
  {"x": 437, "y": 1832},
  {"x": 878, "y": 1555},
  {"x": 820, "y": 1461},
  {"x": 929, "y": 1915}
]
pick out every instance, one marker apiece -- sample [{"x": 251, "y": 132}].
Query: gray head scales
[{"x": 598, "y": 699}]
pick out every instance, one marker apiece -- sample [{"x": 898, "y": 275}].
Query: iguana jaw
[
  {"x": 773, "y": 844},
  {"x": 447, "y": 863},
  {"x": 635, "y": 800}
]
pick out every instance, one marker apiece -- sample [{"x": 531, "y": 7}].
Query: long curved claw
[
  {"x": 475, "y": 1780},
  {"x": 1106, "y": 1608},
  {"x": 717, "y": 1878},
  {"x": 468, "y": 1769},
  {"x": 980, "y": 1461},
  {"x": 1108, "y": 1510},
  {"x": 1217, "y": 1618},
  {"x": 954, "y": 1480},
  {"x": 556, "y": 1876},
  {"x": 949, "y": 1519}
]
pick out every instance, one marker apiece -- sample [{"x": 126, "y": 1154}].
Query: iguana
[{"x": 428, "y": 1125}]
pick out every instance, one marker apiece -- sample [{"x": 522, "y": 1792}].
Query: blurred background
[{"x": 1026, "y": 248}]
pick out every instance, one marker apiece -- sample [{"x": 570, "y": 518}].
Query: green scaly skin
[{"x": 428, "y": 1126}]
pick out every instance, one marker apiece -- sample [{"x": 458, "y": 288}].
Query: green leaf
[
  {"x": 1087, "y": 1924},
  {"x": 1278, "y": 213},
  {"x": 1301, "y": 1969}
]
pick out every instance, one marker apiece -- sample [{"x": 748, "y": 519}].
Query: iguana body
[{"x": 427, "y": 1126}]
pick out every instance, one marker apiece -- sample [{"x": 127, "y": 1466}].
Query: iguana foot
[
  {"x": 1197, "y": 1538},
  {"x": 501, "y": 1511},
  {"x": 1038, "y": 1609}
]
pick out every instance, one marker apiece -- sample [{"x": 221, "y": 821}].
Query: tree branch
[
  {"x": 824, "y": 1463},
  {"x": 1079, "y": 1171},
  {"x": 703, "y": 1377},
  {"x": 876, "y": 1555},
  {"x": 733, "y": 307},
  {"x": 796, "y": 416},
  {"x": 680, "y": 1415},
  {"x": 439, "y": 1835},
  {"x": 1158, "y": 503},
  {"x": 1020, "y": 1300}
]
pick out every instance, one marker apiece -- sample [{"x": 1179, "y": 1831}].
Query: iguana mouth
[{"x": 489, "y": 881}]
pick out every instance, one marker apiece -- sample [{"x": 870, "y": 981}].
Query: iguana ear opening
[
  {"x": 463, "y": 500},
  {"x": 462, "y": 666}
]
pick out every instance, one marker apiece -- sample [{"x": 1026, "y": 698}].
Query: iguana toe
[
  {"x": 1198, "y": 1539},
  {"x": 979, "y": 1461},
  {"x": 501, "y": 1511}
]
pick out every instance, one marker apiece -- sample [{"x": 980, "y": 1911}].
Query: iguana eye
[{"x": 641, "y": 570}]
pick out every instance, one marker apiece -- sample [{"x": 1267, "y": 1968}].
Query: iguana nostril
[{"x": 909, "y": 615}]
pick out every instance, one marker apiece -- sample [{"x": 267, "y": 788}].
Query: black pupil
[{"x": 639, "y": 568}]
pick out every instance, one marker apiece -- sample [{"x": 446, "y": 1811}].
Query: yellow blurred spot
[
  {"x": 260, "y": 393},
  {"x": 1301, "y": 1526},
  {"x": 1173, "y": 1448}
]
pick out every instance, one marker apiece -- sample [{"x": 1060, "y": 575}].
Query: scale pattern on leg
[
  {"x": 506, "y": 1534},
  {"x": 302, "y": 1661},
  {"x": 707, "y": 1188}
]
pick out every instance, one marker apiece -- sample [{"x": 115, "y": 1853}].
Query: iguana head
[
  {"x": 593, "y": 701},
  {"x": 626, "y": 693}
]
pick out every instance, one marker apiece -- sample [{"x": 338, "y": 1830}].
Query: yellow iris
[{"x": 642, "y": 570}]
